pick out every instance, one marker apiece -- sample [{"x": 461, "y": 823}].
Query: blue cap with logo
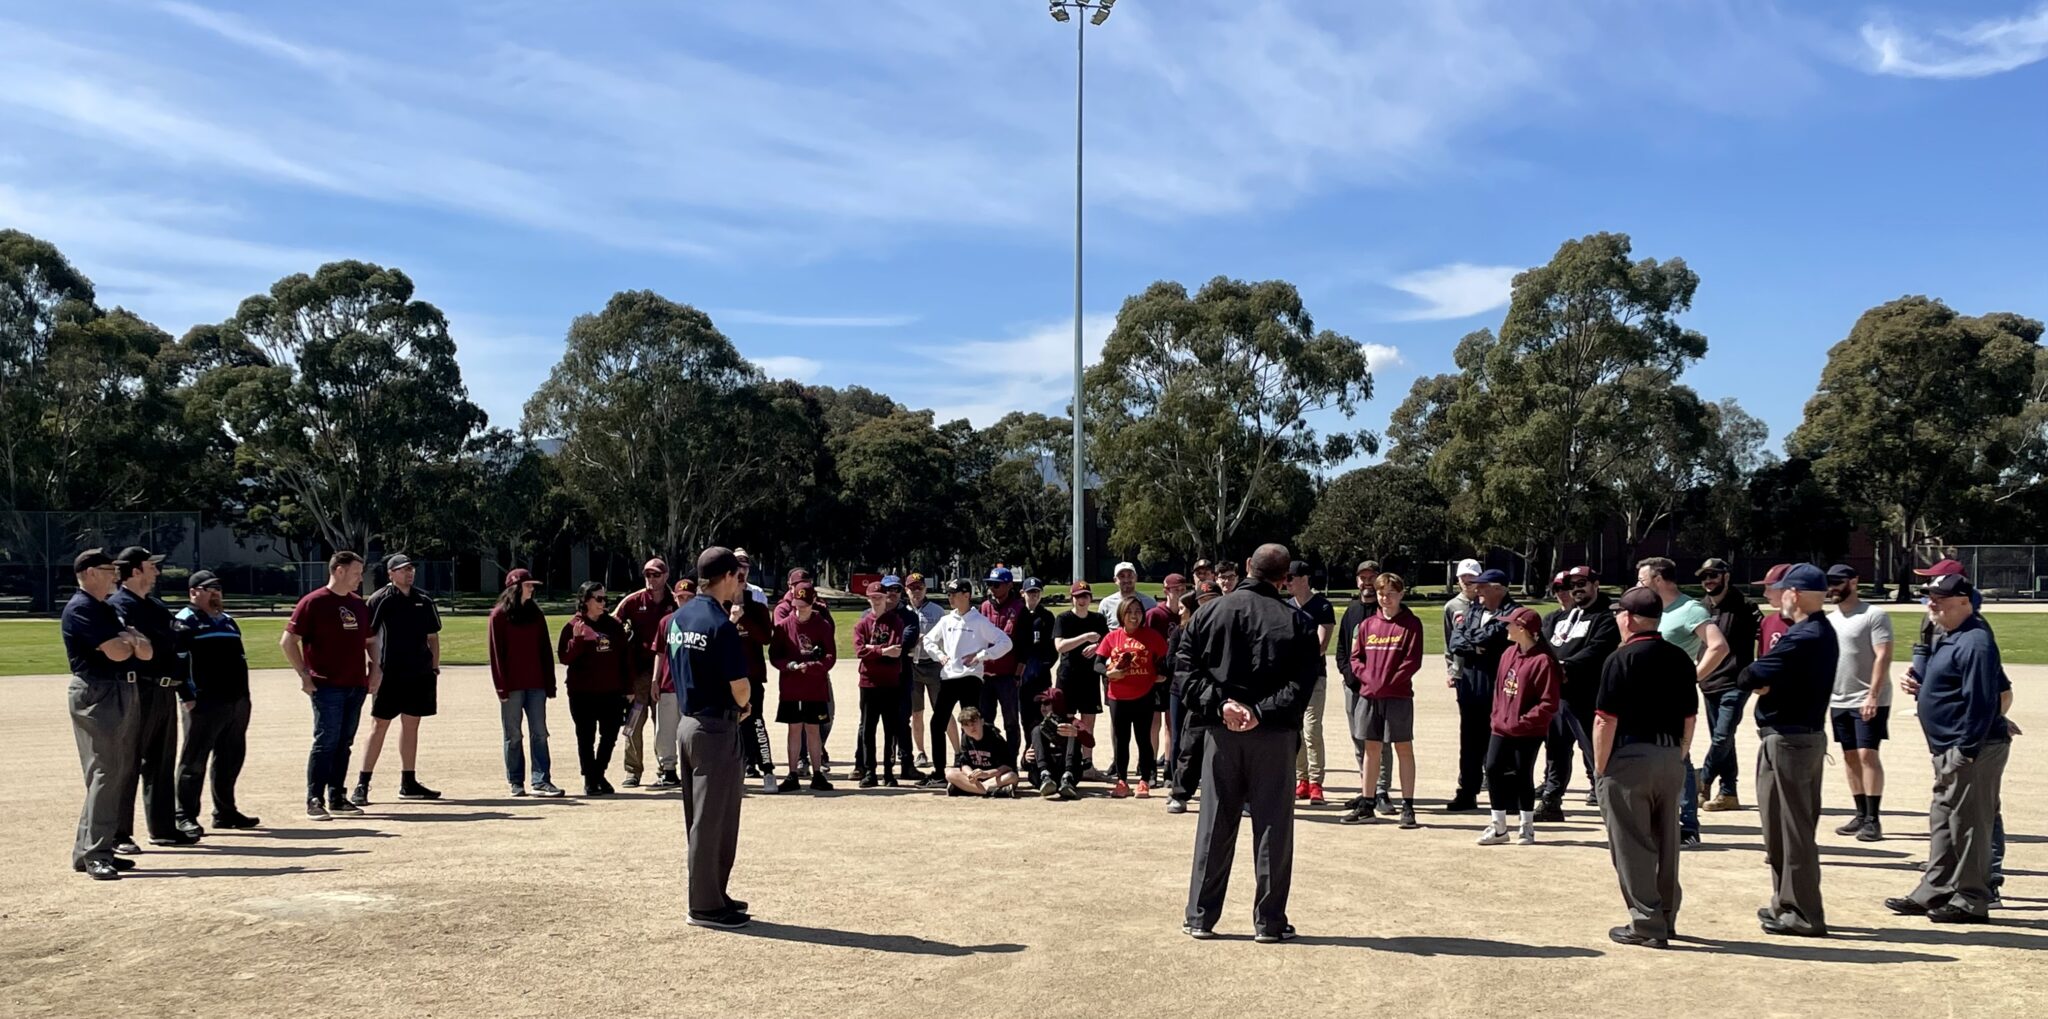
[
  {"x": 891, "y": 580},
  {"x": 1803, "y": 577},
  {"x": 1001, "y": 575}
]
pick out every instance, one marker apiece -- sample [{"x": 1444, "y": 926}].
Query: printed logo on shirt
[
  {"x": 1568, "y": 631},
  {"x": 604, "y": 643},
  {"x": 348, "y": 618},
  {"x": 679, "y": 638},
  {"x": 1380, "y": 641},
  {"x": 806, "y": 647},
  {"x": 1511, "y": 686}
]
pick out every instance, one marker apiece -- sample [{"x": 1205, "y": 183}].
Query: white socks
[{"x": 1500, "y": 819}]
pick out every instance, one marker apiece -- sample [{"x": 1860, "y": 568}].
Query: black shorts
[
  {"x": 801, "y": 712},
  {"x": 1853, "y": 733},
  {"x": 1384, "y": 720},
  {"x": 1083, "y": 693},
  {"x": 415, "y": 694}
]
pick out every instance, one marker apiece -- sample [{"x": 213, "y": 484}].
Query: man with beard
[
  {"x": 1477, "y": 645},
  {"x": 1861, "y": 707},
  {"x": 217, "y": 715},
  {"x": 1584, "y": 633},
  {"x": 642, "y": 612},
  {"x": 1687, "y": 624},
  {"x": 1724, "y": 701}
]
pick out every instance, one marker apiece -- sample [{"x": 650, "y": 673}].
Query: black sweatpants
[
  {"x": 598, "y": 717},
  {"x": 1129, "y": 720},
  {"x": 219, "y": 731},
  {"x": 1511, "y": 772},
  {"x": 1475, "y": 732},
  {"x": 1189, "y": 749},
  {"x": 1571, "y": 729},
  {"x": 1059, "y": 758},
  {"x": 756, "y": 747},
  {"x": 951, "y": 695},
  {"x": 878, "y": 711},
  {"x": 156, "y": 764}
]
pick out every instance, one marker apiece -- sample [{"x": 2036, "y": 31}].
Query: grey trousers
[
  {"x": 1788, "y": 780},
  {"x": 712, "y": 788},
  {"x": 1639, "y": 801},
  {"x": 1254, "y": 768},
  {"x": 156, "y": 763},
  {"x": 1386, "y": 776},
  {"x": 1959, "y": 824},
  {"x": 105, "y": 722}
]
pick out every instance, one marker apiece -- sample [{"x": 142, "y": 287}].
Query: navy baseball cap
[
  {"x": 1001, "y": 575},
  {"x": 91, "y": 559},
  {"x": 202, "y": 579},
  {"x": 1948, "y": 585},
  {"x": 1841, "y": 571},
  {"x": 1491, "y": 577},
  {"x": 1640, "y": 601},
  {"x": 1803, "y": 577},
  {"x": 398, "y": 561},
  {"x": 1033, "y": 584}
]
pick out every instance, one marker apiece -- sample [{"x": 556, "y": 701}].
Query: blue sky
[{"x": 881, "y": 192}]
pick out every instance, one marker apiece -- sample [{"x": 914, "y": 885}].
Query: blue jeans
[
  {"x": 1724, "y": 714},
  {"x": 1689, "y": 803},
  {"x": 533, "y": 706},
  {"x": 336, "y": 710}
]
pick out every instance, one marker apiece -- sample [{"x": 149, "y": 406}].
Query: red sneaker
[
  {"x": 1301, "y": 789},
  {"x": 1122, "y": 790},
  {"x": 1144, "y": 790},
  {"x": 1315, "y": 795}
]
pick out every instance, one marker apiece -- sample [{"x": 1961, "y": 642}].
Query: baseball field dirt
[{"x": 908, "y": 903}]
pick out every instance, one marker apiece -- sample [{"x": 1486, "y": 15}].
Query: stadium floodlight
[
  {"x": 1102, "y": 12},
  {"x": 1058, "y": 9}
]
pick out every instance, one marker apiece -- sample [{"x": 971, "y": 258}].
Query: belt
[
  {"x": 1791, "y": 730},
  {"x": 1655, "y": 741},
  {"x": 727, "y": 714},
  {"x": 129, "y": 676}
]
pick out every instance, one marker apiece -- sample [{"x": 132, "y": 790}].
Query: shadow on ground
[{"x": 901, "y": 944}]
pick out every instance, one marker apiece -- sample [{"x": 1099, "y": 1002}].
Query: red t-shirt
[
  {"x": 1137, "y": 655},
  {"x": 335, "y": 632}
]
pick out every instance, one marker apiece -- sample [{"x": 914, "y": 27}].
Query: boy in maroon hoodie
[
  {"x": 803, "y": 651},
  {"x": 1525, "y": 698},
  {"x": 878, "y": 641},
  {"x": 1386, "y": 653}
]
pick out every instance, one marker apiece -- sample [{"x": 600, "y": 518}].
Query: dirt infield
[{"x": 894, "y": 902}]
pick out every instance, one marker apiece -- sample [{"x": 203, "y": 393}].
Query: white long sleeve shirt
[{"x": 960, "y": 636}]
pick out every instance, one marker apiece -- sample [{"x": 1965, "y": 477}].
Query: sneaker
[
  {"x": 1854, "y": 825},
  {"x": 914, "y": 775},
  {"x": 889, "y": 781},
  {"x": 1144, "y": 790},
  {"x": 790, "y": 784},
  {"x": 1628, "y": 936},
  {"x": 819, "y": 785},
  {"x": 343, "y": 808},
  {"x": 127, "y": 847},
  {"x": 361, "y": 796},
  {"x": 954, "y": 790},
  {"x": 1461, "y": 804},
  {"x": 1174, "y": 806},
  {"x": 631, "y": 782},
  {"x": 667, "y": 780},
  {"x": 1275, "y": 937},
  {"x": 1361, "y": 814},
  {"x": 1526, "y": 838},
  {"x": 802, "y": 769},
  {"x": 1383, "y": 803},
  {"x": 315, "y": 811},
  {"x": 1315, "y": 795},
  {"x": 187, "y": 826},
  {"x": 1996, "y": 901},
  {"x": 768, "y": 782},
  {"x": 923, "y": 762},
  {"x": 1301, "y": 789},
  {"x": 1690, "y": 842},
  {"x": 1494, "y": 835},
  {"x": 1592, "y": 797},
  {"x": 1068, "y": 792},
  {"x": 753, "y": 771},
  {"x": 591, "y": 788},
  {"x": 930, "y": 782},
  {"x": 1093, "y": 774},
  {"x": 1725, "y": 801},
  {"x": 416, "y": 791},
  {"x": 1873, "y": 831},
  {"x": 1408, "y": 818},
  {"x": 1550, "y": 811},
  {"x": 1197, "y": 933},
  {"x": 547, "y": 789},
  {"x": 515, "y": 790},
  {"x": 1355, "y": 802},
  {"x": 1120, "y": 790},
  {"x": 728, "y": 920},
  {"x": 601, "y": 781},
  {"x": 869, "y": 781},
  {"x": 235, "y": 822}
]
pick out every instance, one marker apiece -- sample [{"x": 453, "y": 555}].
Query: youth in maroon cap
[{"x": 1944, "y": 568}]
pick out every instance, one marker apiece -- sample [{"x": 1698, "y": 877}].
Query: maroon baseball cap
[
  {"x": 654, "y": 567},
  {"x": 1559, "y": 580},
  {"x": 875, "y": 589},
  {"x": 1775, "y": 574},
  {"x": 1174, "y": 580},
  {"x": 1524, "y": 617},
  {"x": 518, "y": 577},
  {"x": 1944, "y": 568}
]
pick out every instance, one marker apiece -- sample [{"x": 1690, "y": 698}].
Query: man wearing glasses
[
  {"x": 408, "y": 629},
  {"x": 105, "y": 719},
  {"x": 642, "y": 612},
  {"x": 1584, "y": 634}
]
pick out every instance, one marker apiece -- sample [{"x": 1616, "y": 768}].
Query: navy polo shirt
[
  {"x": 87, "y": 623},
  {"x": 705, "y": 657}
]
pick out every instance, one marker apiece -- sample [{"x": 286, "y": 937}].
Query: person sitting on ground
[
  {"x": 982, "y": 767},
  {"x": 1058, "y": 747}
]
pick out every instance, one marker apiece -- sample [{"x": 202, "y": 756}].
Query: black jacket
[
  {"x": 1738, "y": 620},
  {"x": 1250, "y": 646},
  {"x": 1583, "y": 648},
  {"x": 1799, "y": 676},
  {"x": 1476, "y": 645},
  {"x": 1347, "y": 631},
  {"x": 152, "y": 618}
]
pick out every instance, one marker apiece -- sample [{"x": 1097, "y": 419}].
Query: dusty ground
[{"x": 903, "y": 903}]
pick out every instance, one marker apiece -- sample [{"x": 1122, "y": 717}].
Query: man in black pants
[
  {"x": 216, "y": 706},
  {"x": 1793, "y": 684},
  {"x": 1365, "y": 604},
  {"x": 1738, "y": 622},
  {"x": 1584, "y": 634},
  {"x": 156, "y": 687},
  {"x": 1253, "y": 665},
  {"x": 1035, "y": 660},
  {"x": 1476, "y": 645},
  {"x": 714, "y": 697}
]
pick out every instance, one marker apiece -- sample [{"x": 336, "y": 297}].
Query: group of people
[{"x": 1221, "y": 684}]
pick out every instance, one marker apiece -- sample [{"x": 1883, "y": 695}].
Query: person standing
[
  {"x": 329, "y": 643},
  {"x": 1131, "y": 654},
  {"x": 1386, "y": 655},
  {"x": 907, "y": 694},
  {"x": 217, "y": 710},
  {"x": 105, "y": 655},
  {"x": 1310, "y": 758},
  {"x": 1643, "y": 723},
  {"x": 804, "y": 651},
  {"x": 1002, "y": 685},
  {"x": 1584, "y": 634},
  {"x": 523, "y": 671},
  {"x": 1226, "y": 576},
  {"x": 642, "y": 613},
  {"x": 1737, "y": 620},
  {"x": 1075, "y": 634},
  {"x": 1775, "y": 623},
  {"x": 1793, "y": 684},
  {"x": 924, "y": 670},
  {"x": 1192, "y": 743},
  {"x": 1204, "y": 571},
  {"x": 1164, "y": 618},
  {"x": 1362, "y": 606},
  {"x": 1464, "y": 594},
  {"x": 160, "y": 686},
  {"x": 1478, "y": 644},
  {"x": 878, "y": 644},
  {"x": 1687, "y": 624},
  {"x": 1126, "y": 575},
  {"x": 964, "y": 643},
  {"x": 754, "y": 592},
  {"x": 594, "y": 648},
  {"x": 751, "y": 616},
  {"x": 708, "y": 667},
  {"x": 408, "y": 629},
  {"x": 1252, "y": 661},
  {"x": 1861, "y": 708},
  {"x": 1963, "y": 697},
  {"x": 1525, "y": 699}
]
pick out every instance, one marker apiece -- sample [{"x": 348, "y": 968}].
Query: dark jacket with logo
[
  {"x": 1477, "y": 644},
  {"x": 210, "y": 647},
  {"x": 1583, "y": 644},
  {"x": 1250, "y": 646}
]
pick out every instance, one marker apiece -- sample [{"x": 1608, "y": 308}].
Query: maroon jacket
[
  {"x": 1525, "y": 691},
  {"x": 521, "y": 657},
  {"x": 1386, "y": 654},
  {"x": 870, "y": 635},
  {"x": 811, "y": 644},
  {"x": 1006, "y": 616},
  {"x": 596, "y": 652},
  {"x": 642, "y": 612}
]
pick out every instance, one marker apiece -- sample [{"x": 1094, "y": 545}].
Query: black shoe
[
  {"x": 819, "y": 785},
  {"x": 591, "y": 788},
  {"x": 1905, "y": 907},
  {"x": 127, "y": 847},
  {"x": 1955, "y": 914},
  {"x": 235, "y": 822},
  {"x": 602, "y": 783},
  {"x": 1873, "y": 831},
  {"x": 343, "y": 808},
  {"x": 1360, "y": 814},
  {"x": 753, "y": 771},
  {"x": 1689, "y": 842},
  {"x": 736, "y": 905},
  {"x": 361, "y": 796},
  {"x": 789, "y": 784},
  {"x": 1068, "y": 792},
  {"x": 890, "y": 781},
  {"x": 869, "y": 781},
  {"x": 631, "y": 782},
  {"x": 667, "y": 780},
  {"x": 102, "y": 869},
  {"x": 1785, "y": 930},
  {"x": 1197, "y": 933},
  {"x": 416, "y": 791},
  {"x": 1355, "y": 802},
  {"x": 1408, "y": 821},
  {"x": 1592, "y": 797},
  {"x": 1855, "y": 825},
  {"x": 1550, "y": 812},
  {"x": 726, "y": 920},
  {"x": 317, "y": 811},
  {"x": 1462, "y": 804},
  {"x": 954, "y": 790},
  {"x": 929, "y": 782},
  {"x": 1383, "y": 803},
  {"x": 1628, "y": 936},
  {"x": 191, "y": 827},
  {"x": 1275, "y": 937},
  {"x": 176, "y": 838}
]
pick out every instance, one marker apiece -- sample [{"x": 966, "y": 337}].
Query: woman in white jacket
[{"x": 961, "y": 642}]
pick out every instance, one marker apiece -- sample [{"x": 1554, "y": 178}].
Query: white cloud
[
  {"x": 766, "y": 318},
  {"x": 1380, "y": 355},
  {"x": 788, "y": 366},
  {"x": 1984, "y": 48},
  {"x": 1458, "y": 290},
  {"x": 982, "y": 380}
]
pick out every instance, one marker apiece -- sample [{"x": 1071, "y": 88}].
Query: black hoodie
[{"x": 1583, "y": 642}]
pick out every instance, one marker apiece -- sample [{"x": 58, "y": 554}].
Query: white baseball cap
[
  {"x": 1469, "y": 568},
  {"x": 1120, "y": 567}
]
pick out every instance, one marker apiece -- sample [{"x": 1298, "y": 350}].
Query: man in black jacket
[
  {"x": 1476, "y": 645},
  {"x": 1738, "y": 620},
  {"x": 1584, "y": 633},
  {"x": 156, "y": 684},
  {"x": 216, "y": 696},
  {"x": 1252, "y": 664},
  {"x": 1793, "y": 684}
]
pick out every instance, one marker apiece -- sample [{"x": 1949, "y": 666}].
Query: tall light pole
[{"x": 1061, "y": 11}]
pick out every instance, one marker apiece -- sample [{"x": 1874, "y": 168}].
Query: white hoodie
[{"x": 959, "y": 636}]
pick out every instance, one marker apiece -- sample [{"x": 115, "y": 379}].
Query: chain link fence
[{"x": 1999, "y": 571}]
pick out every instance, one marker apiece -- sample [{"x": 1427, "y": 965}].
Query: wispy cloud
[
  {"x": 982, "y": 380},
  {"x": 1458, "y": 290},
  {"x": 1977, "y": 50},
  {"x": 767, "y": 318},
  {"x": 788, "y": 366}
]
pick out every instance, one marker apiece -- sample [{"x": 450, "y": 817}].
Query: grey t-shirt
[{"x": 1861, "y": 631}]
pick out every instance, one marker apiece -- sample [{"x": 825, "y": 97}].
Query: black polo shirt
[
  {"x": 1648, "y": 688},
  {"x": 402, "y": 623},
  {"x": 87, "y": 623}
]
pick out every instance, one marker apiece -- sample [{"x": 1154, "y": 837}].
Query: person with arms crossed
[
  {"x": 1643, "y": 721},
  {"x": 408, "y": 629},
  {"x": 1688, "y": 625},
  {"x": 1584, "y": 633},
  {"x": 1477, "y": 645},
  {"x": 709, "y": 669},
  {"x": 217, "y": 712},
  {"x": 804, "y": 651},
  {"x": 104, "y": 654},
  {"x": 1862, "y": 704},
  {"x": 1792, "y": 685},
  {"x": 329, "y": 643},
  {"x": 878, "y": 644},
  {"x": 1386, "y": 655},
  {"x": 593, "y": 647},
  {"x": 1364, "y": 604},
  {"x": 161, "y": 686},
  {"x": 1737, "y": 620}
]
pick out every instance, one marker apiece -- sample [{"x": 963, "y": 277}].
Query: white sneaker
[
  {"x": 1528, "y": 837},
  {"x": 768, "y": 782},
  {"x": 1493, "y": 836}
]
